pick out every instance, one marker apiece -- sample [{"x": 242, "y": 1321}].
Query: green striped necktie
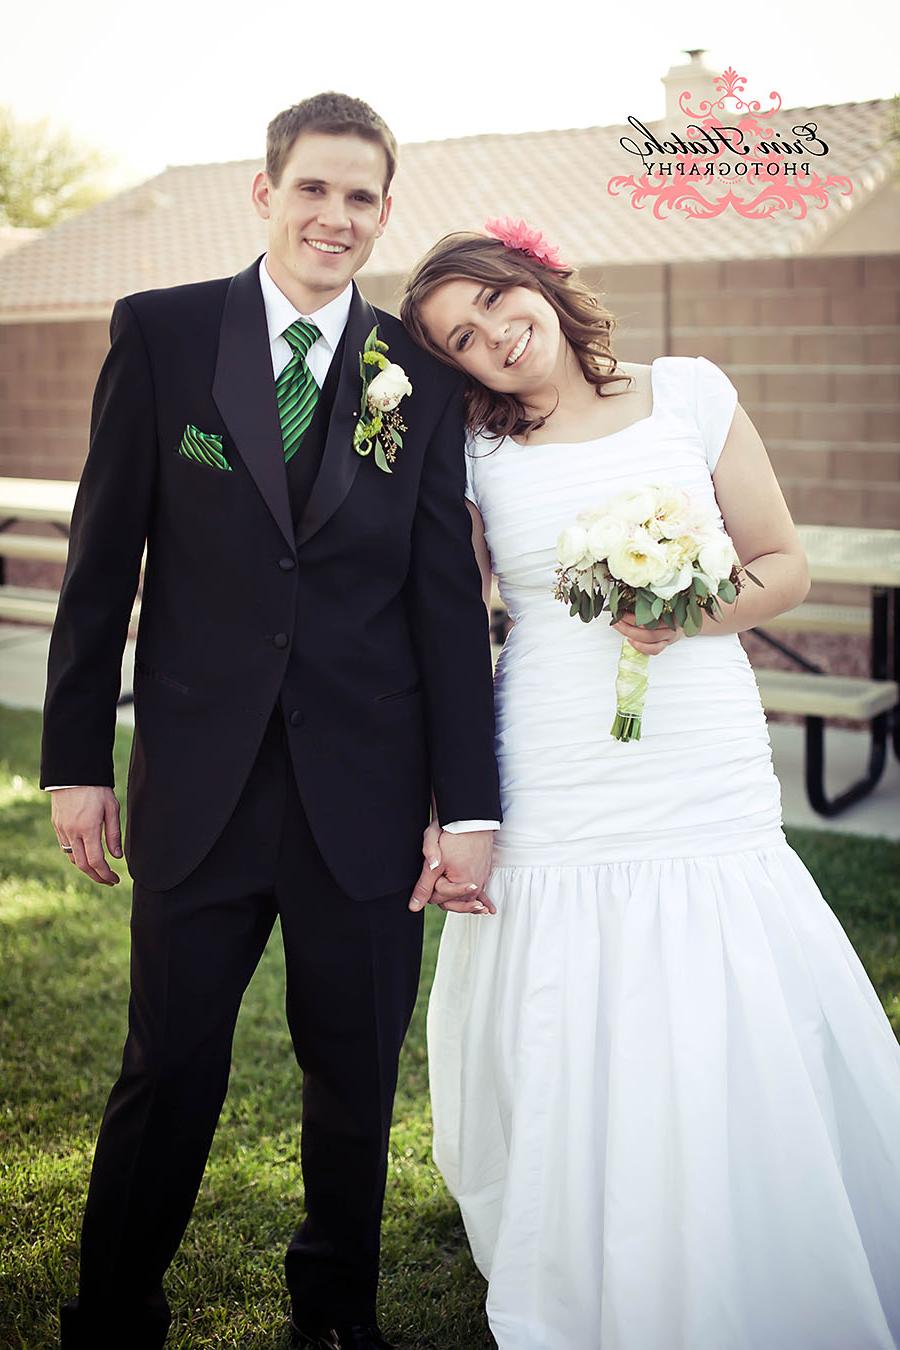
[{"x": 295, "y": 388}]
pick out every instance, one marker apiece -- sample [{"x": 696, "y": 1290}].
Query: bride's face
[{"x": 509, "y": 340}]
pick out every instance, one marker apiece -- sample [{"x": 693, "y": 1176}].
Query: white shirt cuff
[
  {"x": 470, "y": 826},
  {"x": 58, "y": 787}
]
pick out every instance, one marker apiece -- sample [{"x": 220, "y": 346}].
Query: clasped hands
[{"x": 455, "y": 871}]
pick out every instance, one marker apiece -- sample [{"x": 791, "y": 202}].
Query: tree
[{"x": 44, "y": 174}]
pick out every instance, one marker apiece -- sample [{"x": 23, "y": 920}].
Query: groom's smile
[
  {"x": 323, "y": 214},
  {"x": 321, "y": 246}
]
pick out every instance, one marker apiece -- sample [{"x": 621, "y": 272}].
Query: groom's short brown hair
[{"x": 334, "y": 115}]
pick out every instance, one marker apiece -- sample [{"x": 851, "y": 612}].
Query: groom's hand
[
  {"x": 81, "y": 816},
  {"x": 455, "y": 871}
]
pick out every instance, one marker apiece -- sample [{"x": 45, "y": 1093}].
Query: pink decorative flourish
[
  {"x": 714, "y": 124},
  {"x": 519, "y": 235},
  {"x": 731, "y": 85},
  {"x": 686, "y": 197}
]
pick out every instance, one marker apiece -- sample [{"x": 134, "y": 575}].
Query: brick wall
[
  {"x": 812, "y": 344},
  {"x": 47, "y": 377}
]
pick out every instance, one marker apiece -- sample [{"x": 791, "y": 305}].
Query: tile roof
[{"x": 195, "y": 221}]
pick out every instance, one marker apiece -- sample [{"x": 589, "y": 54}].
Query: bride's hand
[{"x": 651, "y": 640}]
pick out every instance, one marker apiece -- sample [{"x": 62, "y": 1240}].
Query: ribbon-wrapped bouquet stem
[{"x": 654, "y": 553}]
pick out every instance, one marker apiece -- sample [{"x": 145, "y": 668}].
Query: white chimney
[{"x": 695, "y": 77}]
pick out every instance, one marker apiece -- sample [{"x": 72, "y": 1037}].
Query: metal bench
[
  {"x": 852, "y": 557},
  {"x": 847, "y": 620},
  {"x": 31, "y": 604},
  {"x": 817, "y": 697},
  {"x": 35, "y": 548}
]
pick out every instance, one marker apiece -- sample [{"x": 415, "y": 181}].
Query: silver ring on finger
[{"x": 67, "y": 848}]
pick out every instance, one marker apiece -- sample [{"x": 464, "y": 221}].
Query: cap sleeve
[
  {"x": 716, "y": 400},
  {"x": 470, "y": 456}
]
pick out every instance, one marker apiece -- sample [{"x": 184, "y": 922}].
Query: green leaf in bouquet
[
  {"x": 613, "y": 601},
  {"x": 700, "y": 587},
  {"x": 585, "y": 607},
  {"x": 756, "y": 581},
  {"x": 727, "y": 591},
  {"x": 679, "y": 609},
  {"x": 573, "y": 609},
  {"x": 691, "y": 626},
  {"x": 573, "y": 595},
  {"x": 694, "y": 616},
  {"x": 643, "y": 614},
  {"x": 668, "y": 619},
  {"x": 656, "y": 608}
]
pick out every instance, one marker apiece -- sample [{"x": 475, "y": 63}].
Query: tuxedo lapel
[
  {"x": 244, "y": 392},
  {"x": 340, "y": 462}
]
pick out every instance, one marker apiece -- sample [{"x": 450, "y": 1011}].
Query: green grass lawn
[{"x": 63, "y": 997}]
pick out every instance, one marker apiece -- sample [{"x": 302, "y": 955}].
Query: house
[{"x": 803, "y": 313}]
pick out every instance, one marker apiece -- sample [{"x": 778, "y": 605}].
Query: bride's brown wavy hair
[{"x": 585, "y": 322}]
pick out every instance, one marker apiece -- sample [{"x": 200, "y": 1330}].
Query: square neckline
[{"x": 594, "y": 440}]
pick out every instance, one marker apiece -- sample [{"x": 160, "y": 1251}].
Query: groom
[{"x": 312, "y": 663}]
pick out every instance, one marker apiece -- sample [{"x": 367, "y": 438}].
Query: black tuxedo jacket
[{"x": 363, "y": 617}]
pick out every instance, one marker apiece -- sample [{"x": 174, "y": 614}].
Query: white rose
[
  {"x": 571, "y": 548},
  {"x": 635, "y": 507},
  {"x": 716, "y": 557},
  {"x": 674, "y": 581},
  {"x": 387, "y": 388},
  {"x": 684, "y": 548},
  {"x": 605, "y": 534},
  {"x": 639, "y": 561},
  {"x": 672, "y": 514}
]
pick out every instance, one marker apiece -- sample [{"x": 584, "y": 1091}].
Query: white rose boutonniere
[
  {"x": 384, "y": 385},
  {"x": 388, "y": 387}
]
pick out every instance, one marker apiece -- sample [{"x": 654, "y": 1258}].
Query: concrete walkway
[{"x": 23, "y": 665}]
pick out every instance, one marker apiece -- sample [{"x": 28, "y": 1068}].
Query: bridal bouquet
[{"x": 653, "y": 553}]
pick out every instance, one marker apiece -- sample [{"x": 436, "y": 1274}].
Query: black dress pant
[{"x": 352, "y": 976}]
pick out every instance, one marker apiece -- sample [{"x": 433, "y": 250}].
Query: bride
[{"x": 666, "y": 1096}]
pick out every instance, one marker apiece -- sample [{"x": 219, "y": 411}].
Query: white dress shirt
[{"x": 331, "y": 320}]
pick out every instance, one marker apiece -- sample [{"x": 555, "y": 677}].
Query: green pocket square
[{"x": 204, "y": 447}]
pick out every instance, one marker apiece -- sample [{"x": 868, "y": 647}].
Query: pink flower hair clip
[{"x": 519, "y": 234}]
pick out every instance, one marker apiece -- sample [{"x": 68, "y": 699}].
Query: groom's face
[{"x": 324, "y": 214}]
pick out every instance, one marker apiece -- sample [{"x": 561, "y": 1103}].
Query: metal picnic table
[{"x": 866, "y": 557}]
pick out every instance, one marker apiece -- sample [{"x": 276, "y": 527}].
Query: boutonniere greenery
[{"x": 380, "y": 426}]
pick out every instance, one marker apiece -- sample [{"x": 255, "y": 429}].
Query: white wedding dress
[{"x": 666, "y": 1096}]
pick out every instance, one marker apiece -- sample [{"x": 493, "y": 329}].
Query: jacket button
[
  {"x": 280, "y": 640},
  {"x": 286, "y": 564},
  {"x": 296, "y": 718}
]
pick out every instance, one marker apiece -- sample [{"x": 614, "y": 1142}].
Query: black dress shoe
[
  {"x": 112, "y": 1331},
  {"x": 338, "y": 1338}
]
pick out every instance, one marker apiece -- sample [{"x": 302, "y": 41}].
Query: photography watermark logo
[{"x": 735, "y": 145}]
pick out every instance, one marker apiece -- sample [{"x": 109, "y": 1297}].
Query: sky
[{"x": 192, "y": 81}]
